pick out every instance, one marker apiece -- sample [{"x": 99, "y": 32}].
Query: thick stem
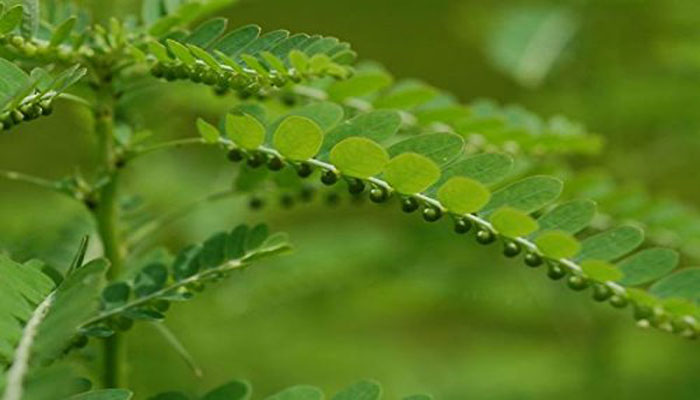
[{"x": 107, "y": 215}]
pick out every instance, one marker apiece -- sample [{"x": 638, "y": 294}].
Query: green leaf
[
  {"x": 256, "y": 237},
  {"x": 570, "y": 217},
  {"x": 116, "y": 295},
  {"x": 236, "y": 242},
  {"x": 105, "y": 394},
  {"x": 486, "y": 168},
  {"x": 11, "y": 19},
  {"x": 411, "y": 173},
  {"x": 512, "y": 222},
  {"x": 462, "y": 195},
  {"x": 151, "y": 11},
  {"x": 187, "y": 262},
  {"x": 361, "y": 84},
  {"x": 150, "y": 279},
  {"x": 301, "y": 392},
  {"x": 30, "y": 18},
  {"x": 299, "y": 60},
  {"x": 363, "y": 390},
  {"x": 648, "y": 265},
  {"x": 62, "y": 32},
  {"x": 298, "y": 138},
  {"x": 684, "y": 284},
  {"x": 557, "y": 244},
  {"x": 208, "y": 131},
  {"x": 601, "y": 271},
  {"x": 325, "y": 114},
  {"x": 419, "y": 397},
  {"x": 528, "y": 195},
  {"x": 235, "y": 41},
  {"x": 207, "y": 32},
  {"x": 359, "y": 157},
  {"x": 170, "y": 396},
  {"x": 206, "y": 57},
  {"x": 407, "y": 95},
  {"x": 159, "y": 51},
  {"x": 439, "y": 147},
  {"x": 375, "y": 125},
  {"x": 611, "y": 244},
  {"x": 236, "y": 390},
  {"x": 245, "y": 130},
  {"x": 181, "y": 52},
  {"x": 213, "y": 251}
]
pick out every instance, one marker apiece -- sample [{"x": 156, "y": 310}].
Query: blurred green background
[{"x": 370, "y": 293}]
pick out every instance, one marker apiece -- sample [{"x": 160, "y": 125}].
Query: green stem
[{"x": 107, "y": 215}]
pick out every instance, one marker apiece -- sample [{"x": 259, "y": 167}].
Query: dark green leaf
[
  {"x": 301, "y": 392},
  {"x": 236, "y": 390},
  {"x": 611, "y": 244},
  {"x": 528, "y": 195},
  {"x": 150, "y": 279},
  {"x": 439, "y": 147},
  {"x": 648, "y": 265},
  {"x": 207, "y": 32},
  {"x": 364, "y": 390},
  {"x": 570, "y": 217},
  {"x": 213, "y": 251},
  {"x": 376, "y": 125},
  {"x": 256, "y": 237}
]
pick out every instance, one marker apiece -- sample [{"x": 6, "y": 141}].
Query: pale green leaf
[
  {"x": 411, "y": 173},
  {"x": 463, "y": 195},
  {"x": 601, "y": 271},
  {"x": 181, "y": 52},
  {"x": 298, "y": 138},
  {"x": 359, "y": 157},
  {"x": 245, "y": 130},
  {"x": 512, "y": 222},
  {"x": 361, "y": 84},
  {"x": 62, "y": 32},
  {"x": 208, "y": 131},
  {"x": 557, "y": 244},
  {"x": 11, "y": 19},
  {"x": 648, "y": 265}
]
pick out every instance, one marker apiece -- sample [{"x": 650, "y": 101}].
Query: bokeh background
[{"x": 370, "y": 293}]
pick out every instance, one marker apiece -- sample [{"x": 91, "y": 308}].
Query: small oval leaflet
[
  {"x": 245, "y": 130},
  {"x": 648, "y": 265},
  {"x": 601, "y": 271},
  {"x": 488, "y": 168},
  {"x": 236, "y": 390},
  {"x": 363, "y": 390},
  {"x": 572, "y": 216},
  {"x": 301, "y": 392},
  {"x": 411, "y": 173},
  {"x": 528, "y": 195},
  {"x": 440, "y": 147},
  {"x": 512, "y": 222},
  {"x": 684, "y": 284},
  {"x": 298, "y": 138},
  {"x": 462, "y": 195},
  {"x": 208, "y": 131},
  {"x": 359, "y": 157},
  {"x": 375, "y": 125},
  {"x": 611, "y": 244},
  {"x": 558, "y": 244}
]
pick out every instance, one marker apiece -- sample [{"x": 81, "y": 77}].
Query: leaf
[
  {"x": 12, "y": 79},
  {"x": 104, "y": 394},
  {"x": 301, "y": 392},
  {"x": 648, "y": 265},
  {"x": 11, "y": 19},
  {"x": 236, "y": 241},
  {"x": 512, "y": 222},
  {"x": 256, "y": 237},
  {"x": 419, "y": 397},
  {"x": 213, "y": 251},
  {"x": 150, "y": 11},
  {"x": 411, "y": 173},
  {"x": 407, "y": 95},
  {"x": 325, "y": 114},
  {"x": 30, "y": 18},
  {"x": 462, "y": 195},
  {"x": 298, "y": 138},
  {"x": 170, "y": 396},
  {"x": 116, "y": 295},
  {"x": 570, "y": 217},
  {"x": 187, "y": 262},
  {"x": 235, "y": 41},
  {"x": 62, "y": 32},
  {"x": 150, "y": 279},
  {"x": 245, "y": 130},
  {"x": 611, "y": 244},
  {"x": 181, "y": 52},
  {"x": 439, "y": 147},
  {"x": 236, "y": 390},
  {"x": 684, "y": 284},
  {"x": 601, "y": 271},
  {"x": 557, "y": 244},
  {"x": 361, "y": 84},
  {"x": 364, "y": 390},
  {"x": 208, "y": 131},
  {"x": 207, "y": 32},
  {"x": 359, "y": 157},
  {"x": 528, "y": 195},
  {"x": 375, "y": 125},
  {"x": 486, "y": 168}
]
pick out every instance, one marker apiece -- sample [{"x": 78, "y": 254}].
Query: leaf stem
[
  {"x": 33, "y": 180},
  {"x": 139, "y": 151}
]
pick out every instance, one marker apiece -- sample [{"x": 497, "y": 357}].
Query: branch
[{"x": 36, "y": 181}]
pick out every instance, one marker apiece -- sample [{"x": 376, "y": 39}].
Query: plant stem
[{"x": 107, "y": 215}]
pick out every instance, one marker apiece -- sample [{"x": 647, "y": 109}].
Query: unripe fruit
[
  {"x": 511, "y": 249},
  {"x": 618, "y": 301},
  {"x": 601, "y": 292},
  {"x": 409, "y": 204},
  {"x": 275, "y": 163},
  {"x": 485, "y": 236},
  {"x": 256, "y": 203},
  {"x": 356, "y": 186},
  {"x": 304, "y": 170},
  {"x": 432, "y": 214},
  {"x": 463, "y": 225},
  {"x": 577, "y": 282},
  {"x": 533, "y": 260},
  {"x": 329, "y": 177},
  {"x": 256, "y": 160},
  {"x": 555, "y": 271},
  {"x": 378, "y": 194},
  {"x": 236, "y": 155}
]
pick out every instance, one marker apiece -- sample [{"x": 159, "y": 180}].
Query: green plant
[{"x": 301, "y": 111}]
